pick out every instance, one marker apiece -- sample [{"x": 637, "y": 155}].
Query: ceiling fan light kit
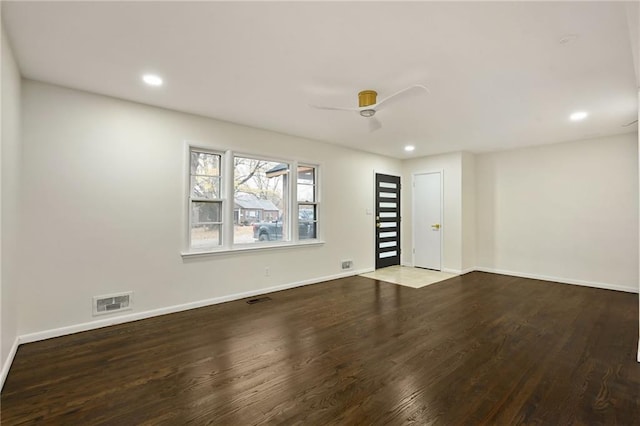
[{"x": 367, "y": 97}]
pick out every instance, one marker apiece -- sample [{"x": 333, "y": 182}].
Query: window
[
  {"x": 241, "y": 201},
  {"x": 307, "y": 202},
  {"x": 205, "y": 200},
  {"x": 261, "y": 197}
]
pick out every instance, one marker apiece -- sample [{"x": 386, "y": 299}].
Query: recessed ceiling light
[
  {"x": 577, "y": 116},
  {"x": 152, "y": 80},
  {"x": 409, "y": 148}
]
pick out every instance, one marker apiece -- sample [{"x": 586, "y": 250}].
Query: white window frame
[
  {"x": 227, "y": 193},
  {"x": 316, "y": 202},
  {"x": 221, "y": 199}
]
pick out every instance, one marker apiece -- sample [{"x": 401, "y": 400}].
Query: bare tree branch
[{"x": 257, "y": 165}]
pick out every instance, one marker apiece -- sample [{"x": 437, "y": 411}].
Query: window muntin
[
  {"x": 205, "y": 201},
  {"x": 261, "y": 200}
]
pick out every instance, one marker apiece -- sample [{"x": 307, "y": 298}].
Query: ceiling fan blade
[
  {"x": 374, "y": 124},
  {"x": 399, "y": 95},
  {"x": 335, "y": 108}
]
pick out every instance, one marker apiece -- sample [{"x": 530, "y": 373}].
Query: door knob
[{"x": 436, "y": 226}]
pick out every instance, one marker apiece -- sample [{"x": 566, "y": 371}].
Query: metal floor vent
[
  {"x": 113, "y": 302},
  {"x": 258, "y": 300}
]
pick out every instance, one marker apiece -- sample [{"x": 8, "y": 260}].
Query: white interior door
[{"x": 427, "y": 220}]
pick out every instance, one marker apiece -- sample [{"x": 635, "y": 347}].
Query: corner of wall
[{"x": 10, "y": 169}]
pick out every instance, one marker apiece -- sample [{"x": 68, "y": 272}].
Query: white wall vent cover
[
  {"x": 347, "y": 264},
  {"x": 112, "y": 303}
]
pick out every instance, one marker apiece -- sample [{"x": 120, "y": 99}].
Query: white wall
[
  {"x": 632, "y": 10},
  {"x": 9, "y": 212},
  {"x": 566, "y": 211},
  {"x": 104, "y": 202},
  {"x": 451, "y": 165},
  {"x": 468, "y": 201}
]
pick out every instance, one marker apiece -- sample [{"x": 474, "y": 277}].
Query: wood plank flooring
[{"x": 476, "y": 349}]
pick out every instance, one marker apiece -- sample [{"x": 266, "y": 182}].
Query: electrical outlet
[
  {"x": 347, "y": 264},
  {"x": 266, "y": 271}
]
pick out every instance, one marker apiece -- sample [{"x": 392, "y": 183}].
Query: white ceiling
[{"x": 499, "y": 76}]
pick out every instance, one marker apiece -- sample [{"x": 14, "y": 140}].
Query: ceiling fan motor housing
[{"x": 367, "y": 97}]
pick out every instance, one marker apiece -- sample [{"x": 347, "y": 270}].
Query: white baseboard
[
  {"x": 451, "y": 271},
  {"x": 639, "y": 349},
  {"x": 92, "y": 325},
  {"x": 466, "y": 271},
  {"x": 7, "y": 363},
  {"x": 605, "y": 286}
]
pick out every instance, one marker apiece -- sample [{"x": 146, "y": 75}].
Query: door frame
[
  {"x": 413, "y": 214},
  {"x": 372, "y": 212}
]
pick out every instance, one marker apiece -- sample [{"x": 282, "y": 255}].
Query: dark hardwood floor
[{"x": 475, "y": 349}]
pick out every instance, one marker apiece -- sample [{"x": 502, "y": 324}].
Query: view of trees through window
[
  {"x": 260, "y": 200},
  {"x": 206, "y": 203}
]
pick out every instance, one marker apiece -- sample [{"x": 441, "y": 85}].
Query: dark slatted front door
[{"x": 387, "y": 220}]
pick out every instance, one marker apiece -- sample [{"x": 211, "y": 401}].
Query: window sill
[{"x": 250, "y": 248}]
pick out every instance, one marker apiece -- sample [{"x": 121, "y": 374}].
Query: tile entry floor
[{"x": 408, "y": 276}]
